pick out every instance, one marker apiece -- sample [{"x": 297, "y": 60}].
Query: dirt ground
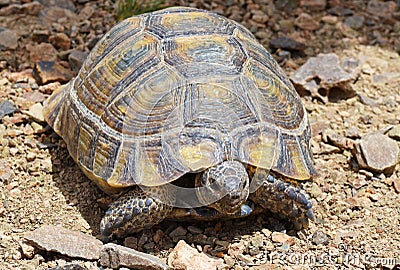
[{"x": 357, "y": 211}]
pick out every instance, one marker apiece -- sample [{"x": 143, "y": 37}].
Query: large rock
[
  {"x": 324, "y": 77},
  {"x": 67, "y": 242},
  {"x": 377, "y": 152},
  {"x": 184, "y": 257},
  {"x": 116, "y": 256}
]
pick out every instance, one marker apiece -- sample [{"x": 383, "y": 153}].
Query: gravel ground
[{"x": 357, "y": 211}]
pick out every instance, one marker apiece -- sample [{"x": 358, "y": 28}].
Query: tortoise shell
[{"x": 177, "y": 91}]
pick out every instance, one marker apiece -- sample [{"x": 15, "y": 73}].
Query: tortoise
[{"x": 185, "y": 92}]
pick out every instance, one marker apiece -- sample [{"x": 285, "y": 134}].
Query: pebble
[
  {"x": 116, "y": 256},
  {"x": 357, "y": 182},
  {"x": 324, "y": 72},
  {"x": 377, "y": 152},
  {"x": 8, "y": 39},
  {"x": 61, "y": 40},
  {"x": 67, "y": 242},
  {"x": 30, "y": 156},
  {"x": 35, "y": 112},
  {"x": 306, "y": 22},
  {"x": 131, "y": 242},
  {"x": 179, "y": 231},
  {"x": 185, "y": 257},
  {"x": 6, "y": 107},
  {"x": 49, "y": 71},
  {"x": 319, "y": 237}
]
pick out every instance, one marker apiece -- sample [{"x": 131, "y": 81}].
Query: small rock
[
  {"x": 158, "y": 236},
  {"x": 76, "y": 59},
  {"x": 236, "y": 248},
  {"x": 42, "y": 52},
  {"x": 266, "y": 232},
  {"x": 315, "y": 5},
  {"x": 34, "y": 96},
  {"x": 356, "y": 21},
  {"x": 27, "y": 250},
  {"x": 279, "y": 237},
  {"x": 49, "y": 71},
  {"x": 257, "y": 240},
  {"x": 396, "y": 185},
  {"x": 329, "y": 19},
  {"x": 131, "y": 242},
  {"x": 8, "y": 39},
  {"x": 357, "y": 182},
  {"x": 340, "y": 11},
  {"x": 40, "y": 36},
  {"x": 6, "y": 107},
  {"x": 61, "y": 40},
  {"x": 179, "y": 231},
  {"x": 324, "y": 78},
  {"x": 393, "y": 133},
  {"x": 6, "y": 173},
  {"x": 315, "y": 190},
  {"x": 377, "y": 153},
  {"x": 32, "y": 8},
  {"x": 66, "y": 4},
  {"x": 382, "y": 9},
  {"x": 30, "y": 156},
  {"x": 116, "y": 256},
  {"x": 67, "y": 242},
  {"x": 194, "y": 230},
  {"x": 36, "y": 112},
  {"x": 327, "y": 149},
  {"x": 185, "y": 257},
  {"x": 245, "y": 258},
  {"x": 286, "y": 43},
  {"x": 353, "y": 132},
  {"x": 229, "y": 260},
  {"x": 86, "y": 13},
  {"x": 374, "y": 197},
  {"x": 319, "y": 237},
  {"x": 306, "y": 22}
]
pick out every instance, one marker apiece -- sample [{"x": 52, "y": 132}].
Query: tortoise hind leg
[
  {"x": 281, "y": 197},
  {"x": 138, "y": 209}
]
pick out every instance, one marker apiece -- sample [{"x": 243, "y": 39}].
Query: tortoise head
[{"x": 224, "y": 187}]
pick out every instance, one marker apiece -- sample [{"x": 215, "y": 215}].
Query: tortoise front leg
[
  {"x": 281, "y": 197},
  {"x": 138, "y": 209}
]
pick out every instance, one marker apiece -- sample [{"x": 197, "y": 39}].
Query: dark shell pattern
[{"x": 177, "y": 91}]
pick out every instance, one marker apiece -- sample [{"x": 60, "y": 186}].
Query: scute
[{"x": 177, "y": 91}]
